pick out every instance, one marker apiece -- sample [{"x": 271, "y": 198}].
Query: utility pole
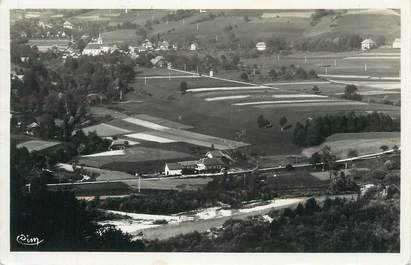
[
  {"x": 305, "y": 59},
  {"x": 185, "y": 67},
  {"x": 145, "y": 80},
  {"x": 345, "y": 170},
  {"x": 326, "y": 70},
  {"x": 197, "y": 27},
  {"x": 139, "y": 183},
  {"x": 365, "y": 67}
]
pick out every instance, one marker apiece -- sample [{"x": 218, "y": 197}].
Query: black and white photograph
[{"x": 196, "y": 130}]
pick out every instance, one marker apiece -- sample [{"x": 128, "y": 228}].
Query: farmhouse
[
  {"x": 368, "y": 44},
  {"x": 45, "y": 25},
  {"x": 396, "y": 44},
  {"x": 260, "y": 46},
  {"x": 172, "y": 169},
  {"x": 218, "y": 154},
  {"x": 68, "y": 25},
  {"x": 188, "y": 164},
  {"x": 163, "y": 45},
  {"x": 45, "y": 45},
  {"x": 33, "y": 129},
  {"x": 193, "y": 46},
  {"x": 118, "y": 145},
  {"x": 93, "y": 49},
  {"x": 147, "y": 45},
  {"x": 210, "y": 164}
]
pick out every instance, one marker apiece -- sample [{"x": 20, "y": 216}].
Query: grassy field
[
  {"x": 121, "y": 35},
  {"x": 37, "y": 145},
  {"x": 363, "y": 143},
  {"x": 336, "y": 63},
  {"x": 135, "y": 155},
  {"x": 220, "y": 119},
  {"x": 127, "y": 187},
  {"x": 299, "y": 178}
]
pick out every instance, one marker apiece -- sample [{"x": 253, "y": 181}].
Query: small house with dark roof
[
  {"x": 44, "y": 45},
  {"x": 33, "y": 129},
  {"x": 118, "y": 145},
  {"x": 172, "y": 169}
]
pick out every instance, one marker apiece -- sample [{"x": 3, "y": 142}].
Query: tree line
[
  {"x": 370, "y": 224},
  {"x": 65, "y": 223},
  {"x": 316, "y": 129}
]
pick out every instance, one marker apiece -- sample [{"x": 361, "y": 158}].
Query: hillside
[{"x": 366, "y": 23}]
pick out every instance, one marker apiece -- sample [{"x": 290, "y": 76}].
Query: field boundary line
[{"x": 216, "y": 78}]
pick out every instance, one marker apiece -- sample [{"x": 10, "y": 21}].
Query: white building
[
  {"x": 147, "y": 45},
  {"x": 193, "y": 47},
  {"x": 397, "y": 43},
  {"x": 93, "y": 49},
  {"x": 68, "y": 25},
  {"x": 261, "y": 46},
  {"x": 172, "y": 169},
  {"x": 163, "y": 45},
  {"x": 368, "y": 44}
]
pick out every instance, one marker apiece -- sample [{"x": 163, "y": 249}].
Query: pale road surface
[{"x": 166, "y": 231}]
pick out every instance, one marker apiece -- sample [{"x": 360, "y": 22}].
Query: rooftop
[
  {"x": 368, "y": 41},
  {"x": 211, "y": 161},
  {"x": 173, "y": 166},
  {"x": 49, "y": 42},
  {"x": 187, "y": 163}
]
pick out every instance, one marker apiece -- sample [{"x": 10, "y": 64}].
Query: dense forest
[
  {"x": 370, "y": 224},
  {"x": 316, "y": 129},
  {"x": 65, "y": 223}
]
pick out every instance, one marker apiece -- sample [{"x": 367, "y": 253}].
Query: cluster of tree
[
  {"x": 78, "y": 144},
  {"x": 369, "y": 224},
  {"x": 342, "y": 42},
  {"x": 183, "y": 87},
  {"x": 210, "y": 16},
  {"x": 262, "y": 122},
  {"x": 178, "y": 15},
  {"x": 171, "y": 202},
  {"x": 107, "y": 74},
  {"x": 45, "y": 94},
  {"x": 315, "y": 130},
  {"x": 342, "y": 183},
  {"x": 291, "y": 72},
  {"x": 63, "y": 222},
  {"x": 227, "y": 189},
  {"x": 320, "y": 13},
  {"x": 351, "y": 92},
  {"x": 228, "y": 61}
]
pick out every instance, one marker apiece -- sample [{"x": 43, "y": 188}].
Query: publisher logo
[{"x": 27, "y": 240}]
